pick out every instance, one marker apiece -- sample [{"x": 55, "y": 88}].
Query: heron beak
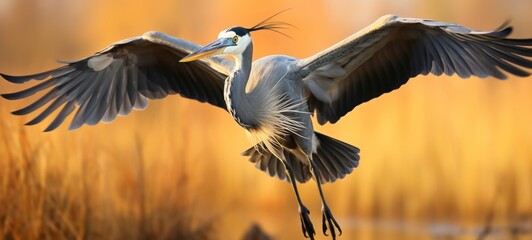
[{"x": 211, "y": 49}]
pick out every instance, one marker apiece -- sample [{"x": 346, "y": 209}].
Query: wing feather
[
  {"x": 120, "y": 78},
  {"x": 383, "y": 56}
]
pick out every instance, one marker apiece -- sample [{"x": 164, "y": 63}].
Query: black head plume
[{"x": 274, "y": 26}]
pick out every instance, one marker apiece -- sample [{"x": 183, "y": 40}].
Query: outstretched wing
[
  {"x": 384, "y": 55},
  {"x": 120, "y": 77}
]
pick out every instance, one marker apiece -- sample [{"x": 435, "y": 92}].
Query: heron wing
[
  {"x": 120, "y": 78},
  {"x": 384, "y": 55}
]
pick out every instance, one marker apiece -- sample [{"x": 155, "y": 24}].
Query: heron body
[
  {"x": 266, "y": 98},
  {"x": 277, "y": 115},
  {"x": 274, "y": 98}
]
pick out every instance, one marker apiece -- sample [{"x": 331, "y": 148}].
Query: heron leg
[
  {"x": 306, "y": 224},
  {"x": 327, "y": 217}
]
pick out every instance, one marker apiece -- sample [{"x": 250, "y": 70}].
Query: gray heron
[{"x": 275, "y": 97}]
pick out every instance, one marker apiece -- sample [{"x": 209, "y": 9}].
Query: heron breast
[{"x": 242, "y": 121}]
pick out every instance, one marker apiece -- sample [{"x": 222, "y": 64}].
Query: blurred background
[{"x": 442, "y": 158}]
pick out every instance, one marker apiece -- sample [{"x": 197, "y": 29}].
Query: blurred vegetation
[
  {"x": 442, "y": 157},
  {"x": 84, "y": 197}
]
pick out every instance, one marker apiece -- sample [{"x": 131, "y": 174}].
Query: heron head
[{"x": 232, "y": 41}]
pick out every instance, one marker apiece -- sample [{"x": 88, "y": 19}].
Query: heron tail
[{"x": 334, "y": 159}]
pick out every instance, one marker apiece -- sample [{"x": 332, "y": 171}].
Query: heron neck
[
  {"x": 243, "y": 64},
  {"x": 236, "y": 98}
]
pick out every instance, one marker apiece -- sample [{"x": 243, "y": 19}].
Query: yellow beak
[{"x": 214, "y": 48}]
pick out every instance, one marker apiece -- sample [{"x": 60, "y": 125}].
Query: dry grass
[
  {"x": 438, "y": 152},
  {"x": 81, "y": 195}
]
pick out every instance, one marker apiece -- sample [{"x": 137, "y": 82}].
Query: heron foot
[
  {"x": 306, "y": 224},
  {"x": 328, "y": 219}
]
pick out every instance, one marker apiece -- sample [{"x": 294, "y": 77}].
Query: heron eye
[{"x": 235, "y": 39}]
